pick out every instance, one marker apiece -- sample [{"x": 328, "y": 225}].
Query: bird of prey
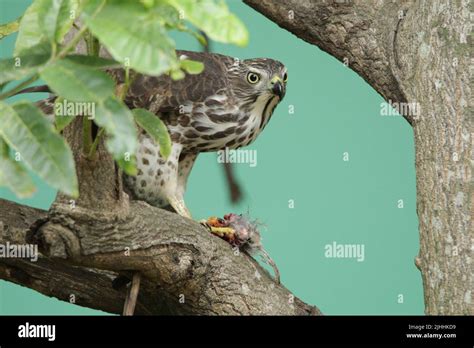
[{"x": 227, "y": 105}]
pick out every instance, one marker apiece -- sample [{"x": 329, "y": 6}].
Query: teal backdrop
[{"x": 302, "y": 188}]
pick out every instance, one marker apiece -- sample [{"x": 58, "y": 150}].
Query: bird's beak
[{"x": 277, "y": 87}]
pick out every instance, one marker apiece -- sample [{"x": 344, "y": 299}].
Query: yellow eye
[
  {"x": 285, "y": 77},
  {"x": 253, "y": 78}
]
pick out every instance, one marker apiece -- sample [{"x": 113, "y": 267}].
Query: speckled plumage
[{"x": 210, "y": 111}]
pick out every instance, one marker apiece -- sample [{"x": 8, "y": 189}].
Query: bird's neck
[{"x": 261, "y": 113}]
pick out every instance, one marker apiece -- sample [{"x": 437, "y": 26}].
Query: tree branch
[
  {"x": 415, "y": 54},
  {"x": 358, "y": 33},
  {"x": 185, "y": 269}
]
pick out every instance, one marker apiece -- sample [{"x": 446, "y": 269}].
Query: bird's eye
[
  {"x": 253, "y": 77},
  {"x": 285, "y": 77}
]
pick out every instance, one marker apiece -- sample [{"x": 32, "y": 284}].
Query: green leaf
[
  {"x": 9, "y": 28},
  {"x": 117, "y": 120},
  {"x": 24, "y": 127},
  {"x": 43, "y": 48},
  {"x": 21, "y": 67},
  {"x": 133, "y": 35},
  {"x": 177, "y": 74},
  {"x": 56, "y": 18},
  {"x": 30, "y": 33},
  {"x": 77, "y": 82},
  {"x": 128, "y": 164},
  {"x": 214, "y": 18},
  {"x": 13, "y": 175},
  {"x": 155, "y": 128},
  {"x": 148, "y": 3},
  {"x": 166, "y": 14},
  {"x": 93, "y": 62},
  {"x": 61, "y": 121},
  {"x": 192, "y": 66},
  {"x": 45, "y": 21}
]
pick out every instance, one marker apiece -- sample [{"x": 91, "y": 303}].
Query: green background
[{"x": 300, "y": 158}]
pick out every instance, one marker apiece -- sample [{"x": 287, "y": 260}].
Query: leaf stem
[
  {"x": 93, "y": 44},
  {"x": 123, "y": 90},
  {"x": 72, "y": 44},
  {"x": 94, "y": 145},
  {"x": 86, "y": 135},
  {"x": 9, "y": 28},
  {"x": 19, "y": 87}
]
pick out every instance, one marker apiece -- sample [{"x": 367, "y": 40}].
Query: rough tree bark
[{"x": 413, "y": 52}]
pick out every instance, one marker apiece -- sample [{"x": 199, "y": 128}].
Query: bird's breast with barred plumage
[{"x": 218, "y": 123}]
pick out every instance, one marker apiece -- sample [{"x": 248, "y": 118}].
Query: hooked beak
[{"x": 277, "y": 87}]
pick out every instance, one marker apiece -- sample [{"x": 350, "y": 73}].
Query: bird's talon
[
  {"x": 204, "y": 223},
  {"x": 226, "y": 232},
  {"x": 219, "y": 227}
]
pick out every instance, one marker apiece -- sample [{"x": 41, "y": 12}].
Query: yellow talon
[
  {"x": 222, "y": 231},
  {"x": 216, "y": 227}
]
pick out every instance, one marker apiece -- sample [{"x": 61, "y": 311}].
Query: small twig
[
  {"x": 132, "y": 294},
  {"x": 9, "y": 28}
]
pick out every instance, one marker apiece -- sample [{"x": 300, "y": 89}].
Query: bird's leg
[
  {"x": 178, "y": 204},
  {"x": 176, "y": 196}
]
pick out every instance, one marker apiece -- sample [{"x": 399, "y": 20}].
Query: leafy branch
[{"x": 136, "y": 34}]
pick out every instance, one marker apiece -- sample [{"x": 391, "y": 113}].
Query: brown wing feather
[{"x": 170, "y": 94}]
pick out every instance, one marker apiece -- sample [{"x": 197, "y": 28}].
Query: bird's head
[{"x": 260, "y": 77}]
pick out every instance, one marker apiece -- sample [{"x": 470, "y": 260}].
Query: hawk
[{"x": 227, "y": 105}]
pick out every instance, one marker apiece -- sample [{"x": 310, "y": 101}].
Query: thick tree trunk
[{"x": 416, "y": 53}]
